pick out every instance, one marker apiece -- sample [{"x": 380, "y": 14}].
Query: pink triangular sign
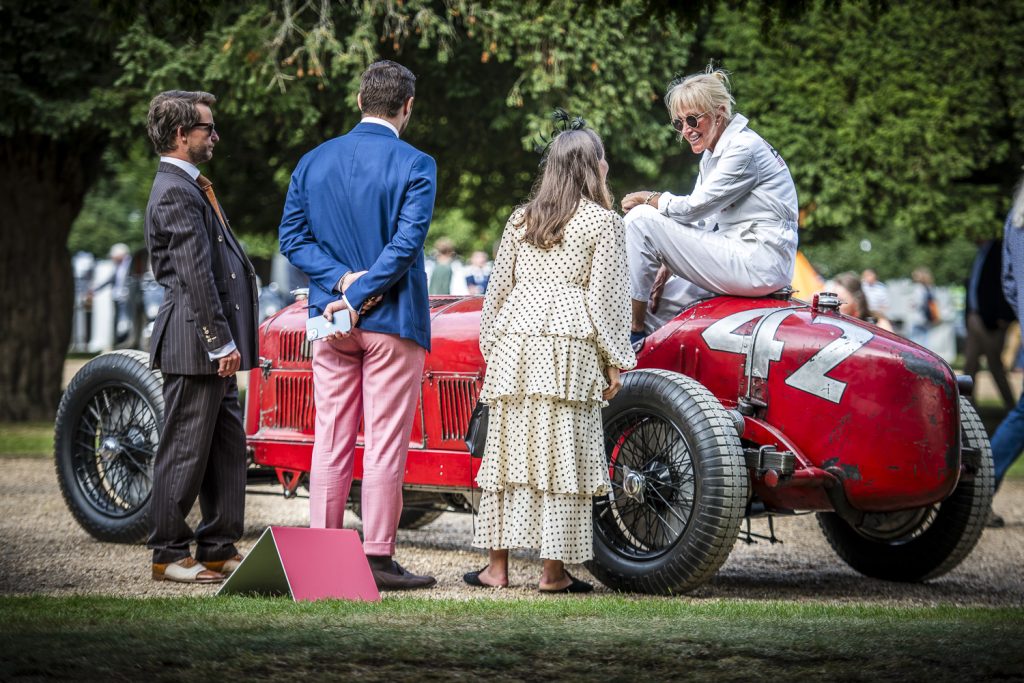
[{"x": 307, "y": 564}]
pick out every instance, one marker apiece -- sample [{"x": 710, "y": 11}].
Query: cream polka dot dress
[{"x": 552, "y": 321}]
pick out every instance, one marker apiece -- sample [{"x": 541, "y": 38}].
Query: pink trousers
[{"x": 376, "y": 377}]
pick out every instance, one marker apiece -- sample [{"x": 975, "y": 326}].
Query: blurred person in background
[
  {"x": 1008, "y": 439},
  {"x": 924, "y": 310},
  {"x": 479, "y": 273},
  {"x": 853, "y": 302},
  {"x": 876, "y": 292},
  {"x": 119, "y": 283},
  {"x": 988, "y": 315},
  {"x": 447, "y": 276}
]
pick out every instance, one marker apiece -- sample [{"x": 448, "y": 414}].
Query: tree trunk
[{"x": 42, "y": 186}]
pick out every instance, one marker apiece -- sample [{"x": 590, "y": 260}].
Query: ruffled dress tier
[{"x": 553, "y": 320}]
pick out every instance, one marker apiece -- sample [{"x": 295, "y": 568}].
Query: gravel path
[{"x": 44, "y": 551}]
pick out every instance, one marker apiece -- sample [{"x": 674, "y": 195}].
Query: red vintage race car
[{"x": 738, "y": 408}]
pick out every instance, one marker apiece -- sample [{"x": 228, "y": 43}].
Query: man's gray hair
[{"x": 172, "y": 110}]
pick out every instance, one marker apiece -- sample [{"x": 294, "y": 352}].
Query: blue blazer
[{"x": 363, "y": 201}]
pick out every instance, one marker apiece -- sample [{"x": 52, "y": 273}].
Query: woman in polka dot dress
[{"x": 555, "y": 334}]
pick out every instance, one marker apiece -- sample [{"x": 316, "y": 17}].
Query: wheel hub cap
[
  {"x": 109, "y": 448},
  {"x": 633, "y": 484}
]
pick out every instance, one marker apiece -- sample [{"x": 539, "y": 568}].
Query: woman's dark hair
[{"x": 571, "y": 171}]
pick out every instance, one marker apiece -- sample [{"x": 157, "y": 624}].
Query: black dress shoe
[
  {"x": 994, "y": 521},
  {"x": 396, "y": 578},
  {"x": 576, "y": 586}
]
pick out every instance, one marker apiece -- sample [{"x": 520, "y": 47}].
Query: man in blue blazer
[{"x": 355, "y": 221}]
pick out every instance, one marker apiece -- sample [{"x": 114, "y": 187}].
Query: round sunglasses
[{"x": 690, "y": 121}]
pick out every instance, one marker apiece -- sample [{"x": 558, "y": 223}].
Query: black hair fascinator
[{"x": 561, "y": 122}]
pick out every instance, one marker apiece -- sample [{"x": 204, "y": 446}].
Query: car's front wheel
[
  {"x": 107, "y": 430},
  {"x": 679, "y": 486},
  {"x": 921, "y": 544}
]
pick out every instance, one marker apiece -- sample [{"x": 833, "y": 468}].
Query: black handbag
[{"x": 476, "y": 433}]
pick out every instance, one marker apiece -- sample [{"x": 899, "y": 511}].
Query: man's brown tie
[{"x": 207, "y": 187}]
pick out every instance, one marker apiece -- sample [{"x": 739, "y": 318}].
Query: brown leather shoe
[
  {"x": 185, "y": 570},
  {"x": 396, "y": 578},
  {"x": 225, "y": 567}
]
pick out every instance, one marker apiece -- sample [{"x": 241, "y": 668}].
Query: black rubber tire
[
  {"x": 419, "y": 509},
  {"x": 946, "y": 534},
  {"x": 680, "y": 428},
  {"x": 107, "y": 430}
]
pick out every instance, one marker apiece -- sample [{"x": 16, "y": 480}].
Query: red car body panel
[{"x": 855, "y": 405}]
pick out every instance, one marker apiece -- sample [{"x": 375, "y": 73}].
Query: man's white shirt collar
[
  {"x": 185, "y": 166},
  {"x": 381, "y": 122}
]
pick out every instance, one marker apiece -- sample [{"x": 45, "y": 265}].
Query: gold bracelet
[{"x": 648, "y": 200}]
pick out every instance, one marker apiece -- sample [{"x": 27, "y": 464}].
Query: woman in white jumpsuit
[{"x": 735, "y": 233}]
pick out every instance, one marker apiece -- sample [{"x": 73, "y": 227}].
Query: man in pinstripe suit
[{"x": 204, "y": 333}]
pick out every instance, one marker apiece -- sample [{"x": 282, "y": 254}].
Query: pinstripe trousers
[{"x": 201, "y": 454}]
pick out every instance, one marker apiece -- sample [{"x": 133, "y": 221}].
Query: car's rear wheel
[
  {"x": 107, "y": 430},
  {"x": 921, "y": 544},
  {"x": 419, "y": 508},
  {"x": 679, "y": 486}
]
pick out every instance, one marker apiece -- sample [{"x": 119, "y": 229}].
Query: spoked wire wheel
[
  {"x": 653, "y": 486},
  {"x": 115, "y": 449},
  {"x": 679, "y": 486},
  {"x": 107, "y": 432}
]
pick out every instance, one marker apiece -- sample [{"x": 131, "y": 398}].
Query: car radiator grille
[
  {"x": 458, "y": 396},
  {"x": 294, "y": 347},
  {"x": 293, "y": 404}
]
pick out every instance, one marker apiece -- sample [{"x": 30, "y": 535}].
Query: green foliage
[
  {"x": 897, "y": 129},
  {"x": 261, "y": 245},
  {"x": 903, "y": 122},
  {"x": 893, "y": 254},
  {"x": 114, "y": 211},
  {"x": 54, "y": 66}
]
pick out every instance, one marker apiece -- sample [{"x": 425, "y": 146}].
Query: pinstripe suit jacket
[{"x": 210, "y": 295}]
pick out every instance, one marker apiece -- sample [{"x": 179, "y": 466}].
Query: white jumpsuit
[{"x": 736, "y": 233}]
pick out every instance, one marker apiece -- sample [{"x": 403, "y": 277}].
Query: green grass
[
  {"x": 411, "y": 638},
  {"x": 26, "y": 438},
  {"x": 1016, "y": 470}
]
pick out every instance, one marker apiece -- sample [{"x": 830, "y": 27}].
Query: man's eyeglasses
[
  {"x": 690, "y": 121},
  {"x": 210, "y": 128}
]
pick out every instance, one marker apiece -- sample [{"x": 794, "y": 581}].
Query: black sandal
[
  {"x": 473, "y": 579},
  {"x": 576, "y": 586}
]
